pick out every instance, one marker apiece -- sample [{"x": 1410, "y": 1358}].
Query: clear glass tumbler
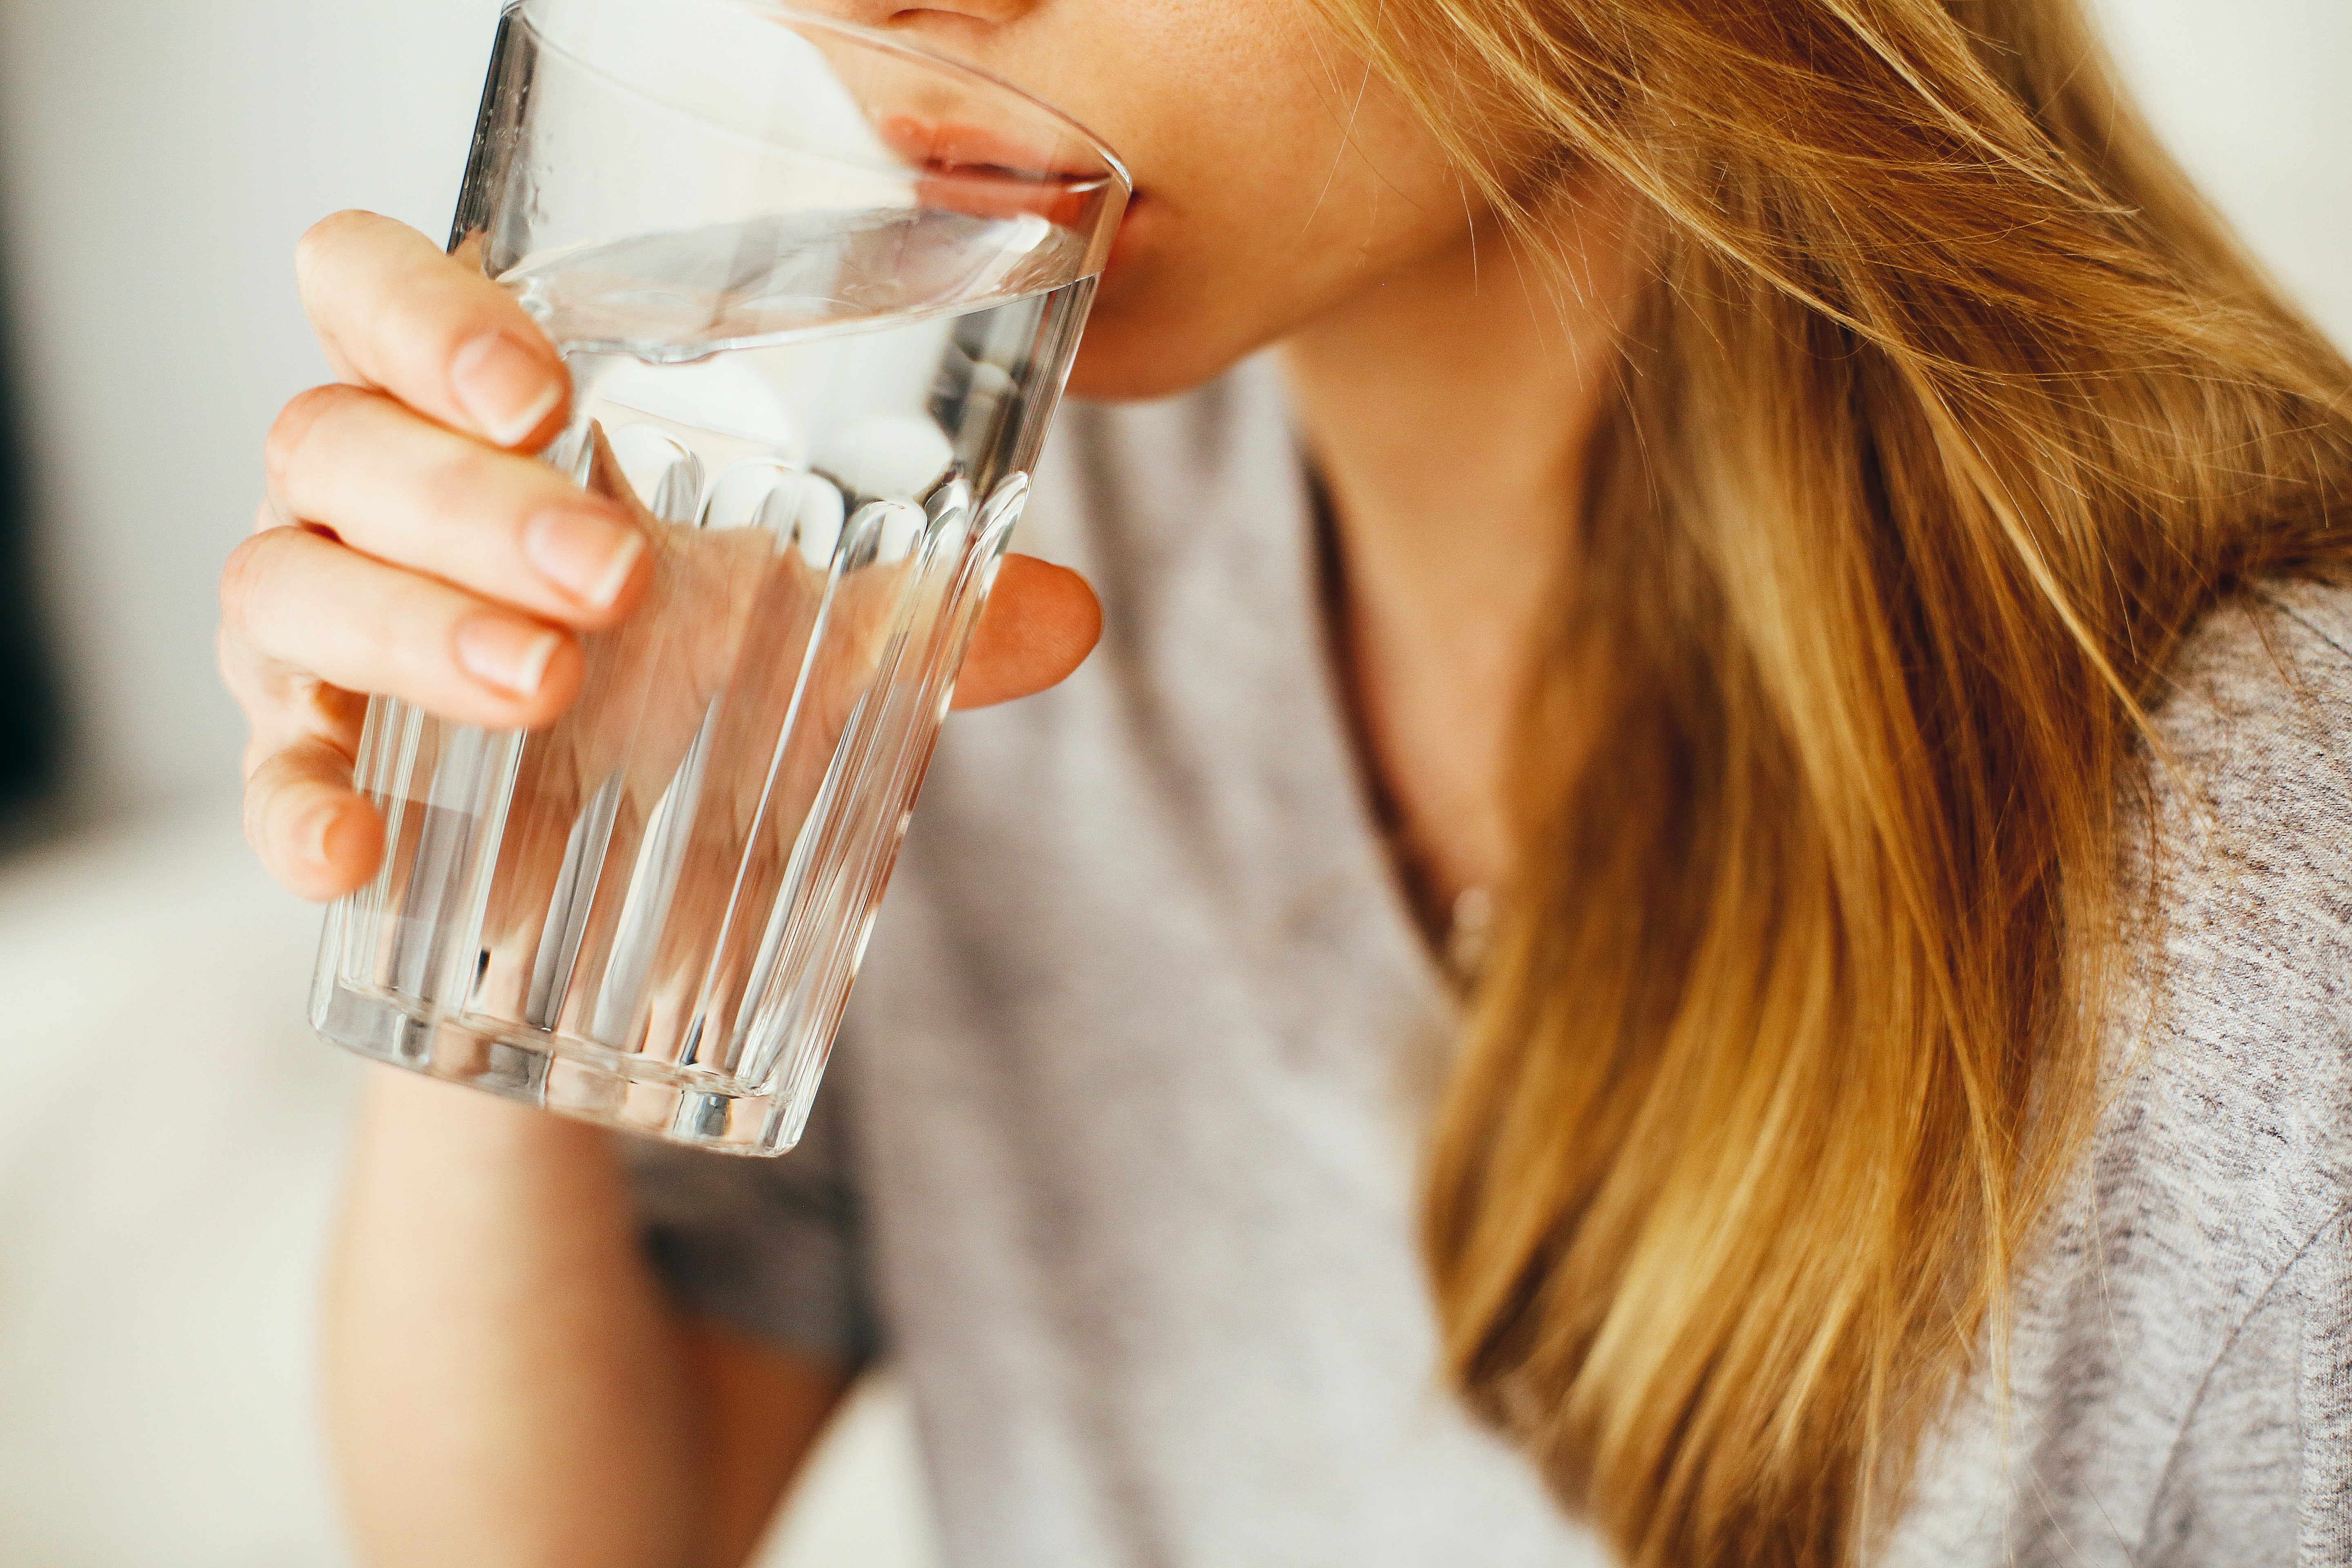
[{"x": 818, "y": 293}]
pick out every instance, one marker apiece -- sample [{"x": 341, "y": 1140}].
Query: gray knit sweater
[
  {"x": 1116, "y": 1158},
  {"x": 2183, "y": 1385}
]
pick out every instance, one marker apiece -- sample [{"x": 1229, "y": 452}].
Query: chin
[
  {"x": 1167, "y": 317},
  {"x": 1127, "y": 355}
]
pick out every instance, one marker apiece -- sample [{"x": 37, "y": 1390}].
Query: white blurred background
[{"x": 167, "y": 1193}]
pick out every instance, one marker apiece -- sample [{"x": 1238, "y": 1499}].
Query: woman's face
[{"x": 1274, "y": 176}]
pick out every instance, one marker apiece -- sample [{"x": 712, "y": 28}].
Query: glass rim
[{"x": 1114, "y": 169}]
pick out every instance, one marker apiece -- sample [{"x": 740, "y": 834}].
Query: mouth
[
  {"x": 994, "y": 172},
  {"x": 979, "y": 152}
]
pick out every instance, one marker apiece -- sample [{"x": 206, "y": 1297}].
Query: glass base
[{"x": 637, "y": 1096}]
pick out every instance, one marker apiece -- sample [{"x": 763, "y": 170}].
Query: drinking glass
[{"x": 817, "y": 292}]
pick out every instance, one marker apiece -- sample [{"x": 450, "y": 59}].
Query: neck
[{"x": 1448, "y": 409}]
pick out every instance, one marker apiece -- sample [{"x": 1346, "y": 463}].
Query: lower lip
[{"x": 923, "y": 143}]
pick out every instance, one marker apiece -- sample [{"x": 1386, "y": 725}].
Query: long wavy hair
[{"x": 1948, "y": 409}]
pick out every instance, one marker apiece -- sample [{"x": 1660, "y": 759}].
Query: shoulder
[
  {"x": 2236, "y": 1093},
  {"x": 2157, "y": 1384},
  {"x": 2247, "y": 849},
  {"x": 2249, "y": 807},
  {"x": 2253, "y": 726}
]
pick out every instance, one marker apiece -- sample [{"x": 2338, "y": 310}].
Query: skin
[{"x": 410, "y": 545}]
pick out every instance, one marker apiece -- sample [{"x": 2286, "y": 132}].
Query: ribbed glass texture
[{"x": 818, "y": 294}]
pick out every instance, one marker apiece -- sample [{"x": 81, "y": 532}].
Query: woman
[{"x": 1795, "y": 507}]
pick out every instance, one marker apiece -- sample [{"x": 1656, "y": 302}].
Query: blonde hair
[{"x": 1948, "y": 410}]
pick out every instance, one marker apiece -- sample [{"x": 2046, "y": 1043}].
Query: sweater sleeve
[
  {"x": 769, "y": 1247},
  {"x": 2261, "y": 1472},
  {"x": 2323, "y": 1289}
]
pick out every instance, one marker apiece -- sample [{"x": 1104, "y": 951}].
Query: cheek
[
  {"x": 1223, "y": 263},
  {"x": 1219, "y": 269},
  {"x": 1276, "y": 179}
]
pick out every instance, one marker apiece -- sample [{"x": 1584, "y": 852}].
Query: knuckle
[
  {"x": 229, "y": 659},
  {"x": 315, "y": 239},
  {"x": 266, "y": 797},
  {"x": 319, "y": 241},
  {"x": 385, "y": 642},
  {"x": 291, "y": 432},
  {"x": 245, "y": 580},
  {"x": 257, "y": 792},
  {"x": 454, "y": 478}
]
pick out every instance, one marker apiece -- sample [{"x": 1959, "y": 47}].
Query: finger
[
  {"x": 283, "y": 705},
  {"x": 316, "y": 836},
  {"x": 307, "y": 603},
  {"x": 1041, "y": 622},
  {"x": 396, "y": 314},
  {"x": 405, "y": 490}
]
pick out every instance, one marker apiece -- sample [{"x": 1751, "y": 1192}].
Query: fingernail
[
  {"x": 587, "y": 555},
  {"x": 504, "y": 387},
  {"x": 502, "y": 653}
]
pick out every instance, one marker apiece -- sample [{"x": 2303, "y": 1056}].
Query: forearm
[{"x": 505, "y": 1384}]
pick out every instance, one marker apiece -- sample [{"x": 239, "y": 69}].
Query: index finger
[{"x": 395, "y": 313}]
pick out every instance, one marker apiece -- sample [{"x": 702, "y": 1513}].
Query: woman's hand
[{"x": 410, "y": 545}]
